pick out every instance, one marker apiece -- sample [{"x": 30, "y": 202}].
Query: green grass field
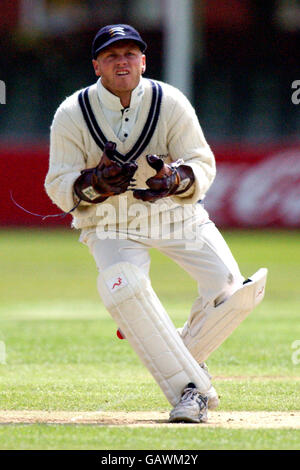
[{"x": 59, "y": 350}]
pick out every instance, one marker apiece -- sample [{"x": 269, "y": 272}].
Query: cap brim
[{"x": 142, "y": 45}]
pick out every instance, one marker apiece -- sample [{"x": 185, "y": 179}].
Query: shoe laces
[
  {"x": 188, "y": 394},
  {"x": 191, "y": 393}
]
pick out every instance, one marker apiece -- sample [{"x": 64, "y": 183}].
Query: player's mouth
[{"x": 121, "y": 73}]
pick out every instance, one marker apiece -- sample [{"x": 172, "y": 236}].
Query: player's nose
[{"x": 122, "y": 60}]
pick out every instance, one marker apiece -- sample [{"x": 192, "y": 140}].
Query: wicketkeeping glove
[
  {"x": 175, "y": 178},
  {"x": 108, "y": 178}
]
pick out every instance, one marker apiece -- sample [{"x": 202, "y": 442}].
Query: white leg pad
[
  {"x": 133, "y": 304},
  {"x": 207, "y": 329}
]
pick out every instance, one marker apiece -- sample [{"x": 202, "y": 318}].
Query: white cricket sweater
[{"x": 177, "y": 135}]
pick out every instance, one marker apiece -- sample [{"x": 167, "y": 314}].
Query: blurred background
[{"x": 237, "y": 61}]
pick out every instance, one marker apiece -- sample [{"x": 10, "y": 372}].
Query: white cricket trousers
[{"x": 208, "y": 260}]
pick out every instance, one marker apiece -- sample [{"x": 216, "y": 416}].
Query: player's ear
[
  {"x": 143, "y": 63},
  {"x": 96, "y": 67}
]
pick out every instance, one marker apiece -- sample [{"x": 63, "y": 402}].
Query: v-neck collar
[
  {"x": 107, "y": 129},
  {"x": 112, "y": 102},
  {"x": 143, "y": 128}
]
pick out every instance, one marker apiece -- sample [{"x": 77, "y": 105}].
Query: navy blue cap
[{"x": 115, "y": 32}]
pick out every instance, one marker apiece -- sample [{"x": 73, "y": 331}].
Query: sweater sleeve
[
  {"x": 66, "y": 160},
  {"x": 186, "y": 141}
]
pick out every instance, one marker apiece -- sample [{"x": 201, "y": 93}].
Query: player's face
[{"x": 120, "y": 67}]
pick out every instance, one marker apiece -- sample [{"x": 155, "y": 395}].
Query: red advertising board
[
  {"x": 22, "y": 173},
  {"x": 255, "y": 186}
]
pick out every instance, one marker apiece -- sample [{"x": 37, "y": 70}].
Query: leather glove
[
  {"x": 175, "y": 178},
  {"x": 108, "y": 178}
]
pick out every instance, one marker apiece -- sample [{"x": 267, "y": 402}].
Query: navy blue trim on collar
[
  {"x": 146, "y": 134},
  {"x": 90, "y": 119}
]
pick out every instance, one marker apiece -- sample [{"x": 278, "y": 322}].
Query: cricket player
[{"x": 129, "y": 159}]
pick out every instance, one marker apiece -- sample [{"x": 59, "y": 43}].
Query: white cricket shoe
[{"x": 192, "y": 407}]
